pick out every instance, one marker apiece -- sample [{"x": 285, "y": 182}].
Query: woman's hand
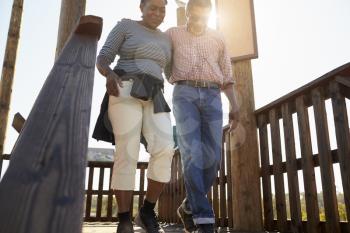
[{"x": 113, "y": 82}]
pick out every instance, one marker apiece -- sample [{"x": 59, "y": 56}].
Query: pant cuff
[{"x": 204, "y": 220}]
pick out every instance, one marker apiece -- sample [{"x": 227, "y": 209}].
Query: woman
[{"x": 136, "y": 105}]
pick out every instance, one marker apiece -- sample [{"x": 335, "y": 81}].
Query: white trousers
[{"x": 129, "y": 117}]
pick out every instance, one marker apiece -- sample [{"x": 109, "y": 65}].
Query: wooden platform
[{"x": 111, "y": 228}]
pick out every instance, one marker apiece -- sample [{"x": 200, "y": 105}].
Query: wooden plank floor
[{"x": 111, "y": 228}]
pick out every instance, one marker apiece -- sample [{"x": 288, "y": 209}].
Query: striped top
[
  {"x": 140, "y": 49},
  {"x": 203, "y": 57}
]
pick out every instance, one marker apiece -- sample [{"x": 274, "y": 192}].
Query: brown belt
[{"x": 198, "y": 84}]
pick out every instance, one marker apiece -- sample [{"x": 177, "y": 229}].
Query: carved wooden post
[
  {"x": 43, "y": 187},
  {"x": 8, "y": 68},
  {"x": 71, "y": 11}
]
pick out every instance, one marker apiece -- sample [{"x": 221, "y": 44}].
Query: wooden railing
[
  {"x": 43, "y": 187},
  {"x": 100, "y": 201},
  {"x": 295, "y": 107}
]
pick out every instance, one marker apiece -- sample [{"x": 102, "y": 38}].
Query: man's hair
[
  {"x": 200, "y": 3},
  {"x": 144, "y": 1}
]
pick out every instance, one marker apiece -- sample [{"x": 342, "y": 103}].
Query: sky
[{"x": 298, "y": 41}]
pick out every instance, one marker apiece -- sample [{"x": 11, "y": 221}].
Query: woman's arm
[
  {"x": 112, "y": 79},
  {"x": 107, "y": 55}
]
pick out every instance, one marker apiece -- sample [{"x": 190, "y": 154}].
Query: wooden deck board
[{"x": 110, "y": 227}]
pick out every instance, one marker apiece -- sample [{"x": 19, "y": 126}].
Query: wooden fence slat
[
  {"x": 89, "y": 196},
  {"x": 326, "y": 165},
  {"x": 1, "y": 162},
  {"x": 43, "y": 188},
  {"x": 266, "y": 178},
  {"x": 172, "y": 192},
  {"x": 292, "y": 172},
  {"x": 216, "y": 201},
  {"x": 142, "y": 187},
  {"x": 178, "y": 185},
  {"x": 229, "y": 180},
  {"x": 100, "y": 194},
  {"x": 312, "y": 209},
  {"x": 222, "y": 182},
  {"x": 110, "y": 197},
  {"x": 343, "y": 141},
  {"x": 277, "y": 170}
]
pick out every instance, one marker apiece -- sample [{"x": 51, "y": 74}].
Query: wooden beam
[
  {"x": 71, "y": 11},
  {"x": 43, "y": 187},
  {"x": 247, "y": 211},
  {"x": 8, "y": 68}
]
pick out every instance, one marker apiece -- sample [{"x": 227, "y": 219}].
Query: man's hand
[
  {"x": 113, "y": 82},
  {"x": 233, "y": 120}
]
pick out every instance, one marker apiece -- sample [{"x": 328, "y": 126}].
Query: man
[{"x": 201, "y": 68}]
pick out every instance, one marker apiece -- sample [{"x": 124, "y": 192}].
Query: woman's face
[{"x": 153, "y": 13}]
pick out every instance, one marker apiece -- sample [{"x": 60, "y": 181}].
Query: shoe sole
[{"x": 179, "y": 215}]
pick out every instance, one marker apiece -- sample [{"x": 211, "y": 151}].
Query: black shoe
[
  {"x": 186, "y": 220},
  {"x": 148, "y": 221},
  {"x": 125, "y": 227},
  {"x": 206, "y": 228}
]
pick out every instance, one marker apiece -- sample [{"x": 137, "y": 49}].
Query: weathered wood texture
[
  {"x": 326, "y": 165},
  {"x": 43, "y": 187},
  {"x": 312, "y": 209},
  {"x": 266, "y": 176},
  {"x": 71, "y": 11},
  {"x": 8, "y": 68},
  {"x": 278, "y": 172},
  {"x": 293, "y": 182},
  {"x": 343, "y": 138},
  {"x": 333, "y": 85},
  {"x": 247, "y": 211},
  {"x": 18, "y": 122}
]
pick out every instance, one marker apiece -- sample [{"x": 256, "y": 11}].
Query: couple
[{"x": 196, "y": 61}]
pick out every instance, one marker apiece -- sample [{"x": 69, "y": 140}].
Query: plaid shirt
[{"x": 202, "y": 57}]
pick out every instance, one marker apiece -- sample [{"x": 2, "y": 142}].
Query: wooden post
[
  {"x": 8, "y": 68},
  {"x": 181, "y": 16},
  {"x": 247, "y": 210},
  {"x": 71, "y": 11},
  {"x": 43, "y": 187}
]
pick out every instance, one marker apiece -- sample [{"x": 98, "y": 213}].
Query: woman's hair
[
  {"x": 201, "y": 3},
  {"x": 144, "y": 1}
]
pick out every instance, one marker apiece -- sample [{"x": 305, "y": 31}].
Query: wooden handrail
[
  {"x": 43, "y": 187},
  {"x": 343, "y": 70}
]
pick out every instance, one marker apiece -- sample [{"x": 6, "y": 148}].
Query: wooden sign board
[{"x": 237, "y": 22}]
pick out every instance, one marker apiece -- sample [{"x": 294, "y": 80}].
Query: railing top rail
[{"x": 343, "y": 70}]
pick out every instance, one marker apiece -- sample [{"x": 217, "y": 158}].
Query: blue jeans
[{"x": 198, "y": 115}]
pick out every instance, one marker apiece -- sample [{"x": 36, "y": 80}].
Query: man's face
[{"x": 197, "y": 19}]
